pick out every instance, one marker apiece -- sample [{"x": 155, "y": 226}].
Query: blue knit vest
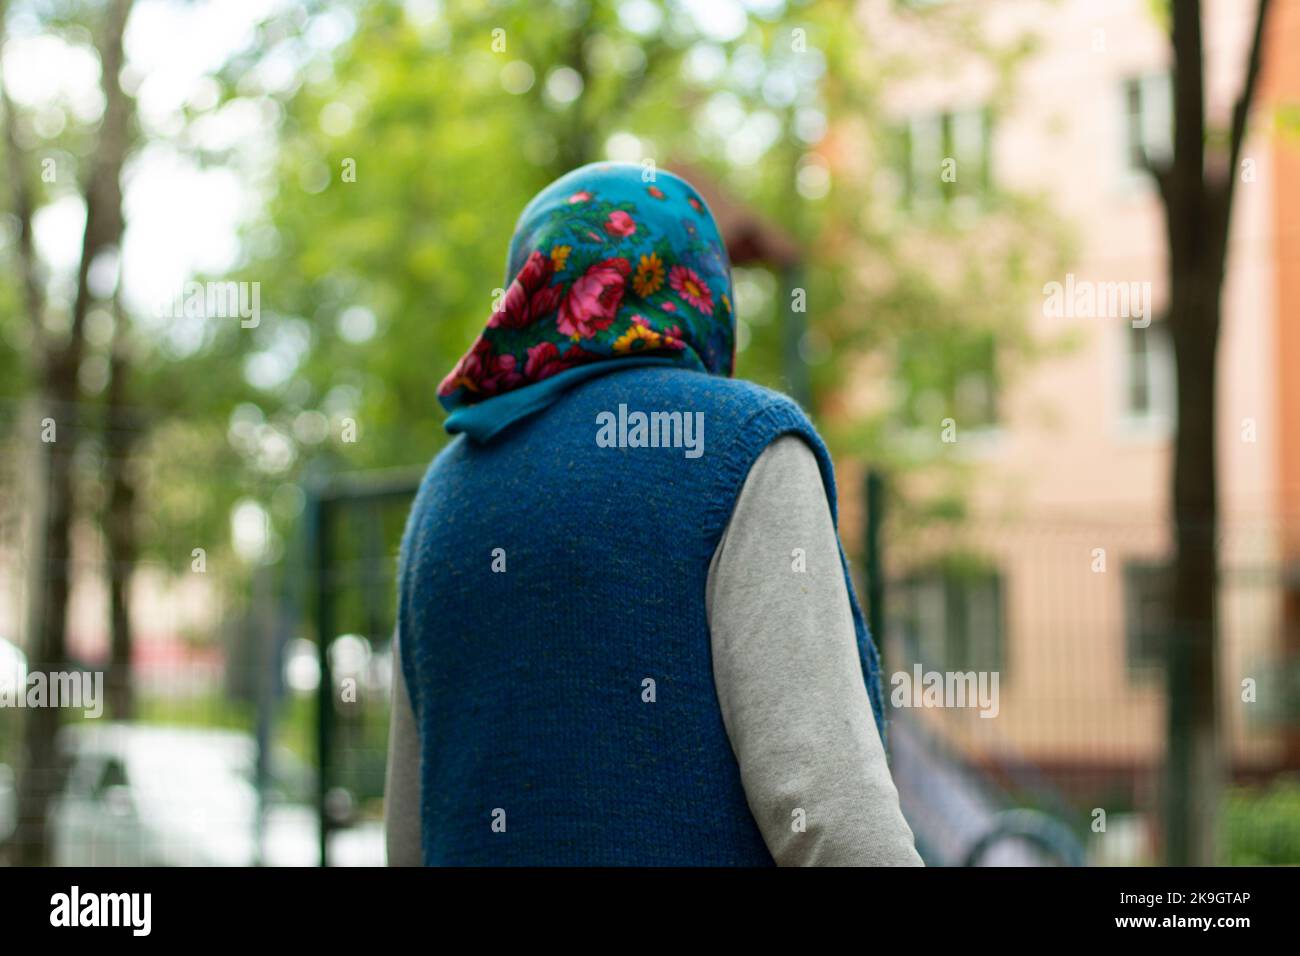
[{"x": 539, "y": 745}]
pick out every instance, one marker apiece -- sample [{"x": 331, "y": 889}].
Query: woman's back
[{"x": 554, "y": 631}]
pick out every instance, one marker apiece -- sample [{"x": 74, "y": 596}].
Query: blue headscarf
[{"x": 609, "y": 264}]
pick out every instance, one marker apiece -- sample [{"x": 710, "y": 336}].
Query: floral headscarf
[{"x": 606, "y": 263}]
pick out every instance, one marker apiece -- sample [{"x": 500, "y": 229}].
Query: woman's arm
[{"x": 789, "y": 680}]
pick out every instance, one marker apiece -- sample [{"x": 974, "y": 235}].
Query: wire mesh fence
[{"x": 1065, "y": 624}]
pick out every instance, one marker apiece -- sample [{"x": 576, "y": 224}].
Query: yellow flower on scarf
[
  {"x": 649, "y": 275},
  {"x": 638, "y": 332}
]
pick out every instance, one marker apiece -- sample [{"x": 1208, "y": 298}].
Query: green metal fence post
[{"x": 319, "y": 560}]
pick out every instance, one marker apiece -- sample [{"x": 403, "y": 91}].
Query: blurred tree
[
  {"x": 123, "y": 428},
  {"x": 57, "y": 362},
  {"x": 1196, "y": 187},
  {"x": 385, "y": 236}
]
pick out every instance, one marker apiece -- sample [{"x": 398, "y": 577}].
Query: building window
[
  {"x": 1148, "y": 373},
  {"x": 1148, "y": 121},
  {"x": 944, "y": 159},
  {"x": 949, "y": 373},
  {"x": 951, "y": 619},
  {"x": 1146, "y": 613}
]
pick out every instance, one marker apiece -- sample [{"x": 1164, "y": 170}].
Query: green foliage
[
  {"x": 1263, "y": 826},
  {"x": 445, "y": 158}
]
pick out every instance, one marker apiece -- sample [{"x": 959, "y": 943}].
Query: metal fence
[{"x": 1070, "y": 616}]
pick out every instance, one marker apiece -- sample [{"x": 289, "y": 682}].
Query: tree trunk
[
  {"x": 1195, "y": 767},
  {"x": 46, "y": 649},
  {"x": 1198, "y": 211},
  {"x": 51, "y": 553},
  {"x": 119, "y": 531}
]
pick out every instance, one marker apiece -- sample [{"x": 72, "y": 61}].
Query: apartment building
[{"x": 1057, "y": 579}]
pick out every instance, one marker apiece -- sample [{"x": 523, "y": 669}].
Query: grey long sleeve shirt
[{"x": 788, "y": 680}]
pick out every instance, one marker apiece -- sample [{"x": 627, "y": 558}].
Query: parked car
[{"x": 139, "y": 795}]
